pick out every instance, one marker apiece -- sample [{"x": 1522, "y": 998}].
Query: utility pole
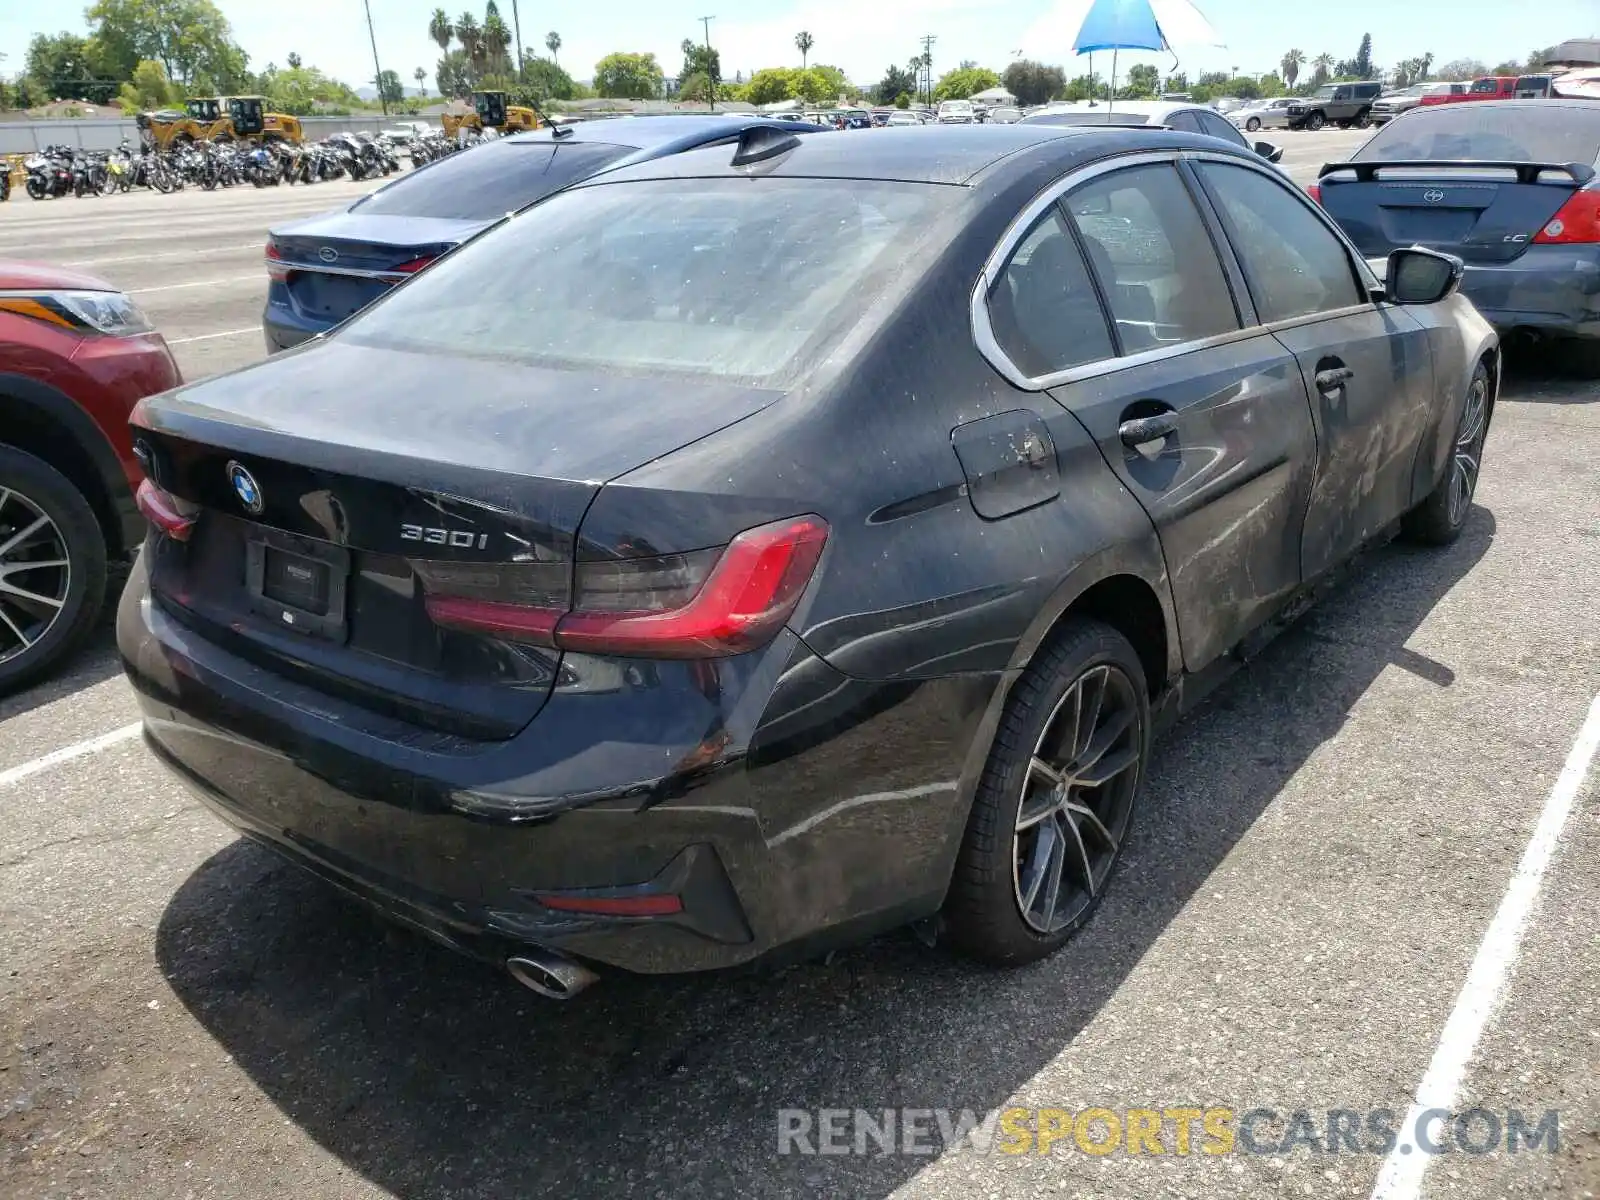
[
  {"x": 928, "y": 39},
  {"x": 711, "y": 84},
  {"x": 516, "y": 28},
  {"x": 377, "y": 77}
]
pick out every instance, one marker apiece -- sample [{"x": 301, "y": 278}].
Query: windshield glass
[
  {"x": 1544, "y": 132},
  {"x": 490, "y": 181},
  {"x": 716, "y": 277},
  {"x": 1327, "y": 93}
]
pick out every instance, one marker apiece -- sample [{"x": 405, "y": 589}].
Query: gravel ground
[{"x": 1319, "y": 855}]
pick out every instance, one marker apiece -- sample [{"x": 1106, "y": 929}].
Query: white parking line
[
  {"x": 192, "y": 253},
  {"x": 1401, "y": 1176},
  {"x": 172, "y": 287},
  {"x": 206, "y": 337},
  {"x": 67, "y": 754}
]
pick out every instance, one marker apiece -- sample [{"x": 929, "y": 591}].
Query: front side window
[
  {"x": 1295, "y": 264},
  {"x": 1154, "y": 258},
  {"x": 1043, "y": 309},
  {"x": 1216, "y": 127}
]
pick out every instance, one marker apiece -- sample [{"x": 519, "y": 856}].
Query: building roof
[{"x": 1577, "y": 52}]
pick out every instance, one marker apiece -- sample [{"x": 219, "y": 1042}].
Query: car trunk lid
[
  {"x": 332, "y": 500},
  {"x": 1483, "y": 211}
]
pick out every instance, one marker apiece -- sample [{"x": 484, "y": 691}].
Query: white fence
[{"x": 26, "y": 137}]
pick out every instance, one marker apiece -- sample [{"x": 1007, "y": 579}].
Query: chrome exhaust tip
[{"x": 553, "y": 976}]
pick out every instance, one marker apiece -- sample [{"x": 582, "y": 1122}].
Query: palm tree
[
  {"x": 420, "y": 75},
  {"x": 440, "y": 29},
  {"x": 552, "y": 43},
  {"x": 1291, "y": 64},
  {"x": 496, "y": 40},
  {"x": 804, "y": 41},
  {"x": 1324, "y": 66},
  {"x": 470, "y": 36}
]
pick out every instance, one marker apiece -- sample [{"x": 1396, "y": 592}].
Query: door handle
[
  {"x": 1333, "y": 378},
  {"x": 1148, "y": 429}
]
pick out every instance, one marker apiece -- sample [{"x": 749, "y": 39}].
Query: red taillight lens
[
  {"x": 703, "y": 604},
  {"x": 1576, "y": 222},
  {"x": 165, "y": 511},
  {"x": 657, "y": 904},
  {"x": 276, "y": 271},
  {"x": 1314, "y": 190},
  {"x": 412, "y": 266}
]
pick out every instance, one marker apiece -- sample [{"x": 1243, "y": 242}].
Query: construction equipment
[
  {"x": 490, "y": 111},
  {"x": 218, "y": 119}
]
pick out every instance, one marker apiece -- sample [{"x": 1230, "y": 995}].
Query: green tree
[
  {"x": 772, "y": 85},
  {"x": 817, "y": 85},
  {"x": 148, "y": 89},
  {"x": 440, "y": 29},
  {"x": 1084, "y": 87},
  {"x": 1293, "y": 60},
  {"x": 1322, "y": 64},
  {"x": 1033, "y": 83},
  {"x": 1142, "y": 82},
  {"x": 964, "y": 82},
  {"x": 191, "y": 39},
  {"x": 63, "y": 68},
  {"x": 390, "y": 89},
  {"x": 628, "y": 76},
  {"x": 453, "y": 74},
  {"x": 552, "y": 43},
  {"x": 903, "y": 100},
  {"x": 421, "y": 76},
  {"x": 896, "y": 82},
  {"x": 546, "y": 80},
  {"x": 496, "y": 43},
  {"x": 470, "y": 34},
  {"x": 1363, "y": 59},
  {"x": 803, "y": 42},
  {"x": 703, "y": 66},
  {"x": 1462, "y": 68},
  {"x": 302, "y": 90}
]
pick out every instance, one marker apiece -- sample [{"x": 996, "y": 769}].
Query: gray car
[
  {"x": 1262, "y": 114},
  {"x": 1508, "y": 187},
  {"x": 1189, "y": 118}
]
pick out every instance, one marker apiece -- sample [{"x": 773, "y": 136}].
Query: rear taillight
[
  {"x": 1314, "y": 190},
  {"x": 1577, "y": 221},
  {"x": 703, "y": 604},
  {"x": 276, "y": 270},
  {"x": 412, "y": 266},
  {"x": 165, "y": 511}
]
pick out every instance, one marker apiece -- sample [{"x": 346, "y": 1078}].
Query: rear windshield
[
  {"x": 720, "y": 277},
  {"x": 491, "y": 180},
  {"x": 1506, "y": 132}
]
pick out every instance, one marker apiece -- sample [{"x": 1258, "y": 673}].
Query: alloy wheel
[
  {"x": 1077, "y": 799},
  {"x": 35, "y": 574},
  {"x": 1468, "y": 452}
]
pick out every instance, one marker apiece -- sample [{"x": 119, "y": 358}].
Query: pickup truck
[
  {"x": 1343, "y": 104},
  {"x": 1391, "y": 104},
  {"x": 1496, "y": 87}
]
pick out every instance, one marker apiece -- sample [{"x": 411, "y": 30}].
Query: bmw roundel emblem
[{"x": 246, "y": 488}]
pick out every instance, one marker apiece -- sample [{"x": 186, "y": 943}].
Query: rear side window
[
  {"x": 1294, "y": 263},
  {"x": 1154, "y": 257},
  {"x": 729, "y": 278},
  {"x": 1216, "y": 127},
  {"x": 489, "y": 181},
  {"x": 1552, "y": 133},
  {"x": 1043, "y": 310}
]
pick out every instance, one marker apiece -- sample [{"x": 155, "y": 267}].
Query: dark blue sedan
[{"x": 325, "y": 268}]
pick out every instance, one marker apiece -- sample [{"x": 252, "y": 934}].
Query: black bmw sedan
[{"x": 774, "y": 543}]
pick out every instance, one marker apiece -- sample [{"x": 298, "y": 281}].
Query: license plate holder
[{"x": 298, "y": 583}]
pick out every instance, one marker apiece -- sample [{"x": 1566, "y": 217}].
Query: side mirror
[
  {"x": 1418, "y": 276},
  {"x": 1269, "y": 152}
]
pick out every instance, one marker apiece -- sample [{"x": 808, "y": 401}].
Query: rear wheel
[
  {"x": 1253, "y": 124},
  {"x": 1316, "y": 121},
  {"x": 1439, "y": 519},
  {"x": 1056, "y": 800},
  {"x": 52, "y": 568},
  {"x": 1364, "y": 121}
]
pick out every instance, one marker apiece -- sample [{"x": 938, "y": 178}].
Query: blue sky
[{"x": 863, "y": 37}]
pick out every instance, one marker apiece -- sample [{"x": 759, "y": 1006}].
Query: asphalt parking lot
[{"x": 1318, "y": 867}]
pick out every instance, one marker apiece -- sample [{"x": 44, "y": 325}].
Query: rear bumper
[
  {"x": 1552, "y": 289},
  {"x": 283, "y": 325},
  {"x": 786, "y": 804}
]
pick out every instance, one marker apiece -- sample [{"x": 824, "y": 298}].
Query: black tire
[
  {"x": 1315, "y": 122},
  {"x": 1439, "y": 519},
  {"x": 984, "y": 910},
  {"x": 34, "y": 188},
  {"x": 52, "y": 494},
  {"x": 1364, "y": 121},
  {"x": 1253, "y": 125}
]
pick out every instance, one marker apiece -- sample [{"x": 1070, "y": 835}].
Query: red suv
[{"x": 75, "y": 356}]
